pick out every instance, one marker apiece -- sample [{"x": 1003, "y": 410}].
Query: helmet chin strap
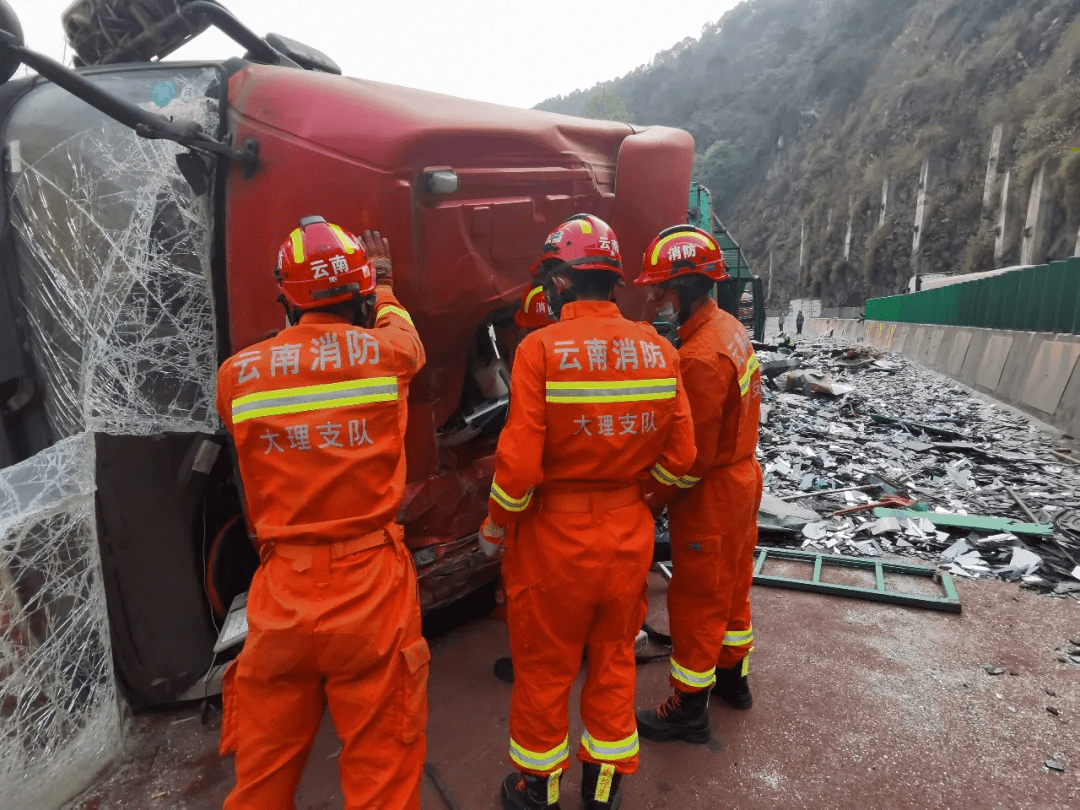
[
  {"x": 291, "y": 315},
  {"x": 686, "y": 301},
  {"x": 559, "y": 293}
]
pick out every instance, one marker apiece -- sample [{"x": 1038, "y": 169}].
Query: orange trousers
[
  {"x": 709, "y": 593},
  {"x": 343, "y": 632},
  {"x": 575, "y": 577}
]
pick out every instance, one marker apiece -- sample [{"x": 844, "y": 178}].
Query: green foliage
[
  {"x": 606, "y": 105},
  {"x": 724, "y": 170}
]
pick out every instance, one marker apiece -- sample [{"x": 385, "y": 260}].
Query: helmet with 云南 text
[
  {"x": 582, "y": 242},
  {"x": 322, "y": 264}
]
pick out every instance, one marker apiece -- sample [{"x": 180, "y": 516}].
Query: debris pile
[{"x": 867, "y": 454}]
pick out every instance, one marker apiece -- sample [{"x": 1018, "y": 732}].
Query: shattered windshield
[
  {"x": 113, "y": 253},
  {"x": 113, "y": 258}
]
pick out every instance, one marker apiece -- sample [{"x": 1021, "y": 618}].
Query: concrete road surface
[{"x": 856, "y": 705}]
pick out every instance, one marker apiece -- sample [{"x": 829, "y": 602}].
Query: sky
[{"x": 515, "y": 52}]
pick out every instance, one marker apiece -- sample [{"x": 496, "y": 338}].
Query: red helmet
[
  {"x": 535, "y": 311},
  {"x": 583, "y": 242},
  {"x": 681, "y": 251},
  {"x": 321, "y": 264}
]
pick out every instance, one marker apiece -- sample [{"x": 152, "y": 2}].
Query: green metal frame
[
  {"x": 950, "y": 603},
  {"x": 729, "y": 292}
]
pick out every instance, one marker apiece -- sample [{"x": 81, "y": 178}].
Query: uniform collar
[
  {"x": 589, "y": 309},
  {"x": 322, "y": 317},
  {"x": 697, "y": 320}
]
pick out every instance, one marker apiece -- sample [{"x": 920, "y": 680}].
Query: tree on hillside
[
  {"x": 606, "y": 105},
  {"x": 724, "y": 169}
]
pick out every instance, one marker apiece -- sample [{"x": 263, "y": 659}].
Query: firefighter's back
[
  {"x": 316, "y": 415},
  {"x": 610, "y": 388},
  {"x": 723, "y": 343}
]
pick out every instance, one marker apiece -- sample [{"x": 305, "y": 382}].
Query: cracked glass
[{"x": 112, "y": 255}]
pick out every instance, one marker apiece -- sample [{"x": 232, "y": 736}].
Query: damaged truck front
[{"x": 143, "y": 205}]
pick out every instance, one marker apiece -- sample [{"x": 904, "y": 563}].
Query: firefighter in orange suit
[
  {"x": 317, "y": 414},
  {"x": 596, "y": 405},
  {"x": 533, "y": 314},
  {"x": 712, "y": 509}
]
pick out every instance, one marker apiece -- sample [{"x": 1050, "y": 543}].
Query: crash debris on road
[{"x": 941, "y": 474}]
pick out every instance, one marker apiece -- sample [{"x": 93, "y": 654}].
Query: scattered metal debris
[{"x": 985, "y": 476}]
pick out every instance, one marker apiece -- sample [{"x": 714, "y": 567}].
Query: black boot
[
  {"x": 683, "y": 716},
  {"x": 732, "y": 687},
  {"x": 527, "y": 791},
  {"x": 600, "y": 789}
]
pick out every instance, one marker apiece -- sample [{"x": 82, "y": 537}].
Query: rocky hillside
[{"x": 848, "y": 142}]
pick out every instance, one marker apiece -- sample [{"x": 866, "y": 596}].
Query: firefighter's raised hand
[{"x": 377, "y": 249}]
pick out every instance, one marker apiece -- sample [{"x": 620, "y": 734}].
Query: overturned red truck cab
[{"x": 145, "y": 202}]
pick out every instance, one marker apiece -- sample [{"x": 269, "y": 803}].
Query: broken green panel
[
  {"x": 949, "y": 603},
  {"x": 973, "y": 522}
]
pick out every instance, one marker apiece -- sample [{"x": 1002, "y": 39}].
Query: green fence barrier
[
  {"x": 1036, "y": 299},
  {"x": 1070, "y": 296}
]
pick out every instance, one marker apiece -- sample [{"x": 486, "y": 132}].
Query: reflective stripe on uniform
[
  {"x": 696, "y": 680},
  {"x": 744, "y": 380},
  {"x": 539, "y": 760},
  {"x": 611, "y": 391},
  {"x": 744, "y": 669},
  {"x": 610, "y": 751},
  {"x": 663, "y": 476},
  {"x": 686, "y": 482},
  {"x": 507, "y": 502},
  {"x": 553, "y": 788},
  {"x": 314, "y": 398},
  {"x": 603, "y": 784},
  {"x": 395, "y": 311},
  {"x": 739, "y": 638}
]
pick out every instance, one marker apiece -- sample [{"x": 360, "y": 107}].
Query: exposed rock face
[{"x": 869, "y": 126}]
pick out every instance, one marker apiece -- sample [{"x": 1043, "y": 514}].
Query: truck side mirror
[{"x": 9, "y": 24}]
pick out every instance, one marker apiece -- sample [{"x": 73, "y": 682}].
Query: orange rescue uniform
[
  {"x": 713, "y": 508},
  {"x": 596, "y": 404},
  {"x": 318, "y": 416}
]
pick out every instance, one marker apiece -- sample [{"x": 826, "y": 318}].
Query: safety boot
[
  {"x": 683, "y": 716},
  {"x": 527, "y": 791},
  {"x": 600, "y": 788},
  {"x": 732, "y": 687}
]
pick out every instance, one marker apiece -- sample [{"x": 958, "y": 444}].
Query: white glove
[{"x": 491, "y": 538}]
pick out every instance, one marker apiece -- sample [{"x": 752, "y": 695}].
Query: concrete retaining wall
[
  {"x": 839, "y": 327},
  {"x": 1033, "y": 371}
]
